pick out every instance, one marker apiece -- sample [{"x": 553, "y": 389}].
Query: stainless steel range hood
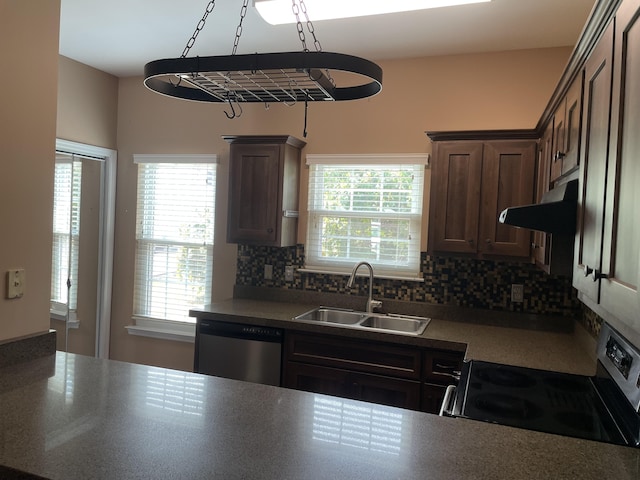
[{"x": 556, "y": 212}]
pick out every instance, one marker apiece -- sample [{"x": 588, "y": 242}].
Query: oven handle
[{"x": 447, "y": 401}]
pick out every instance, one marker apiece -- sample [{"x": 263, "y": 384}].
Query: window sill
[
  {"x": 387, "y": 276},
  {"x": 60, "y": 316},
  {"x": 163, "y": 330}
]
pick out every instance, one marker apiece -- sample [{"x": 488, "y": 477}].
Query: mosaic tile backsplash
[{"x": 462, "y": 282}]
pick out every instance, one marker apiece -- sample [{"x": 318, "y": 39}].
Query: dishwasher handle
[
  {"x": 240, "y": 330},
  {"x": 447, "y": 402}
]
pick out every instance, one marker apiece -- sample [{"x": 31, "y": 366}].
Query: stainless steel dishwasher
[{"x": 243, "y": 352}]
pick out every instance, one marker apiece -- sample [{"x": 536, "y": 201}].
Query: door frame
[{"x": 107, "y": 229}]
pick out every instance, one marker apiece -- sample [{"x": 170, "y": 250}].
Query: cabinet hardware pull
[
  {"x": 587, "y": 270},
  {"x": 445, "y": 367},
  {"x": 470, "y": 241},
  {"x": 269, "y": 230}
]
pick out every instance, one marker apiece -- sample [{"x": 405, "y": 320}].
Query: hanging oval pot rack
[
  {"x": 263, "y": 77},
  {"x": 286, "y": 77}
]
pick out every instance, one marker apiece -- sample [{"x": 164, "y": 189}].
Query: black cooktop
[{"x": 541, "y": 400}]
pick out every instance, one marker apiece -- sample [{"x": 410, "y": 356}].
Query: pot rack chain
[
  {"x": 243, "y": 13},
  {"x": 296, "y": 6},
  {"x": 198, "y": 29}
]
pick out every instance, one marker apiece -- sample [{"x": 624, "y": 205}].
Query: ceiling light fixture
[
  {"x": 277, "y": 12},
  {"x": 286, "y": 77}
]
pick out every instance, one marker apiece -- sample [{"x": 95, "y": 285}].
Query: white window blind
[
  {"x": 174, "y": 235},
  {"x": 365, "y": 208},
  {"x": 66, "y": 233}
]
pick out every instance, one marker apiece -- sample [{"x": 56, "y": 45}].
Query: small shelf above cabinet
[{"x": 263, "y": 189}]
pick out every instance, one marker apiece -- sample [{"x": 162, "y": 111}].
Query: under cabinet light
[{"x": 277, "y": 12}]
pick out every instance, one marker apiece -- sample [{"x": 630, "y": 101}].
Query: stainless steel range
[{"x": 602, "y": 408}]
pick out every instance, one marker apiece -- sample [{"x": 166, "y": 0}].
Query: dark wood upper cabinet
[
  {"x": 593, "y": 167},
  {"x": 566, "y": 131},
  {"x": 456, "y": 176},
  {"x": 620, "y": 276},
  {"x": 263, "y": 189},
  {"x": 472, "y": 182}
]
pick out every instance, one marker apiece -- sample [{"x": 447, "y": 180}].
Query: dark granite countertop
[
  {"x": 73, "y": 417},
  {"x": 547, "y": 350}
]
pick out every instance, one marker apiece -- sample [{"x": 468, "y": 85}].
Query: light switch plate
[{"x": 16, "y": 283}]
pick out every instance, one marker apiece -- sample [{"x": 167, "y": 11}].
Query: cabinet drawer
[
  {"x": 442, "y": 366},
  {"x": 356, "y": 386},
  {"x": 371, "y": 357}
]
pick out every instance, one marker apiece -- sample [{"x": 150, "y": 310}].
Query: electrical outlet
[
  {"x": 517, "y": 293},
  {"x": 288, "y": 273},
  {"x": 16, "y": 283},
  {"x": 268, "y": 272}
]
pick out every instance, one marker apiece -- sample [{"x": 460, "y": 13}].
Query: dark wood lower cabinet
[
  {"x": 432, "y": 396},
  {"x": 388, "y": 374},
  {"x": 354, "y": 385}
]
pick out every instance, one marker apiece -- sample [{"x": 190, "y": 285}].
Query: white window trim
[
  {"x": 365, "y": 159},
  {"x": 154, "y": 327}
]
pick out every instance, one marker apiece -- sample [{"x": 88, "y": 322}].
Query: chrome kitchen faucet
[{"x": 371, "y": 303}]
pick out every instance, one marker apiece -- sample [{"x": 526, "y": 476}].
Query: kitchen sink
[
  {"x": 332, "y": 315},
  {"x": 390, "y": 323},
  {"x": 396, "y": 323}
]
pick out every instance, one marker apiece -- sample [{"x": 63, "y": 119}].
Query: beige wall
[
  {"x": 485, "y": 91},
  {"x": 29, "y": 51},
  {"x": 87, "y": 104}
]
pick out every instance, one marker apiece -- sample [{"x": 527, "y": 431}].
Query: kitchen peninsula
[
  {"x": 67, "y": 416},
  {"x": 74, "y": 417}
]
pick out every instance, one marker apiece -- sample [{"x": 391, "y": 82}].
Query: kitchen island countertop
[{"x": 73, "y": 417}]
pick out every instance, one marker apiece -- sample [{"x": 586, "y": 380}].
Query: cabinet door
[
  {"x": 593, "y": 167},
  {"x": 573, "y": 117},
  {"x": 541, "y": 239},
  {"x": 432, "y": 397},
  {"x": 508, "y": 172},
  {"x": 254, "y": 182},
  {"x": 566, "y": 131},
  {"x": 455, "y": 196},
  {"x": 621, "y": 246},
  {"x": 311, "y": 378}
]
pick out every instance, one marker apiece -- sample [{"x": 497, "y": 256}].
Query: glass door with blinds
[{"x": 82, "y": 242}]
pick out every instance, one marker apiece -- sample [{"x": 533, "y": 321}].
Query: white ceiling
[{"x": 121, "y": 36}]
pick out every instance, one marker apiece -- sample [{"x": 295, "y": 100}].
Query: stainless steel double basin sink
[{"x": 389, "y": 323}]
